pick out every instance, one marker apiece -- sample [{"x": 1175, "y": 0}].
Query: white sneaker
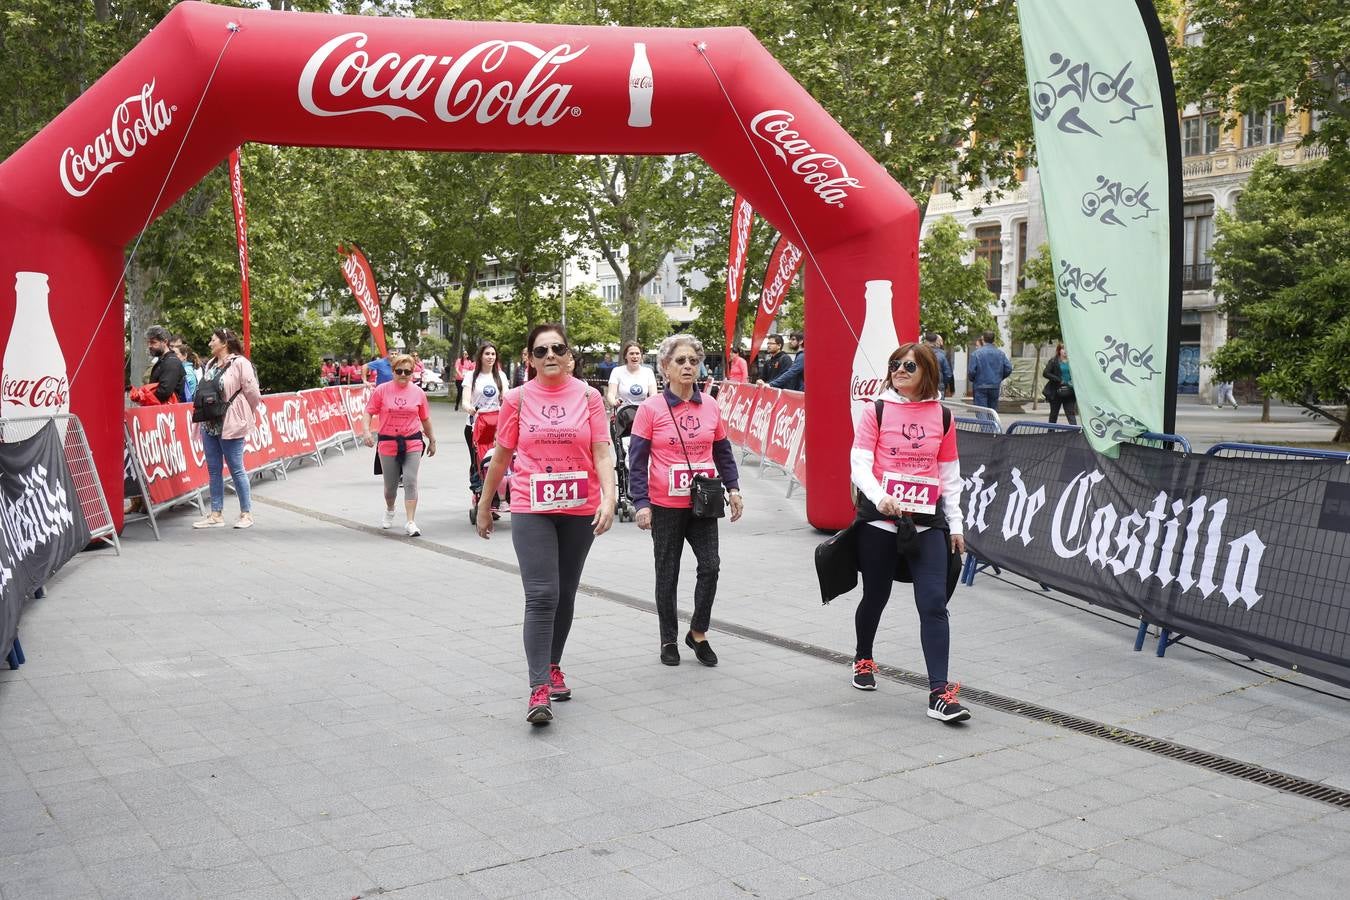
[
  {"x": 412, "y": 530},
  {"x": 214, "y": 520},
  {"x": 245, "y": 521},
  {"x": 388, "y": 520}
]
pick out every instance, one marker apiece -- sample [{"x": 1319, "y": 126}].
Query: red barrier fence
[{"x": 769, "y": 423}]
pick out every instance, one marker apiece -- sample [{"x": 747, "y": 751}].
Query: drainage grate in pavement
[{"x": 1289, "y": 784}]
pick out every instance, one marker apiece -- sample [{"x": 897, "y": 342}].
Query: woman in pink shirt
[
  {"x": 739, "y": 370},
  {"x": 562, "y": 498},
  {"x": 404, "y": 418},
  {"x": 678, "y": 434},
  {"x": 905, "y": 467}
]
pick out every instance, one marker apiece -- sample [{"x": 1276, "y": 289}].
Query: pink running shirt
[
  {"x": 400, "y": 411},
  {"x": 552, "y": 430},
  {"x": 669, "y": 475},
  {"x": 910, "y": 441}
]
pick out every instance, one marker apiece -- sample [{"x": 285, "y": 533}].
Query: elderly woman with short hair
[{"x": 678, "y": 434}]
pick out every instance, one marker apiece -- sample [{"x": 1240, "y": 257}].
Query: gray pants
[
  {"x": 551, "y": 550},
  {"x": 389, "y": 466}
]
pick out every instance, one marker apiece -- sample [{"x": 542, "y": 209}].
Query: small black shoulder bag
[{"x": 707, "y": 496}]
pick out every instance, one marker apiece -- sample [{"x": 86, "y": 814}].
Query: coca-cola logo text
[
  {"x": 260, "y": 436},
  {"x": 288, "y": 423},
  {"x": 780, "y": 279},
  {"x": 135, "y": 121},
  {"x": 240, "y": 217},
  {"x": 786, "y": 426},
  {"x": 360, "y": 285},
  {"x": 37, "y": 514},
  {"x": 48, "y": 392},
  {"x": 823, "y": 172},
  {"x": 759, "y": 421},
  {"x": 461, "y": 93},
  {"x": 159, "y": 450},
  {"x": 865, "y": 389},
  {"x": 740, "y": 243},
  {"x": 739, "y": 417}
]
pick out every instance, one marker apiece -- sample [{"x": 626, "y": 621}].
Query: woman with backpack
[
  {"x": 908, "y": 479},
  {"x": 226, "y": 423}
]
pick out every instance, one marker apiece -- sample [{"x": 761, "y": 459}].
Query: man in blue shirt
[
  {"x": 989, "y": 366},
  {"x": 380, "y": 366},
  {"x": 944, "y": 368}
]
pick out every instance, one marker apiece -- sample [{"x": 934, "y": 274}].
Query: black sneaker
[
  {"x": 864, "y": 674},
  {"x": 943, "y": 705}
]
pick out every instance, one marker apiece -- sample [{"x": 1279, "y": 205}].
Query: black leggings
[
  {"x": 928, "y": 567},
  {"x": 551, "y": 550}
]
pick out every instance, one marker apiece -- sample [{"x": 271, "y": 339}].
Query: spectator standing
[
  {"x": 739, "y": 371},
  {"x": 776, "y": 363},
  {"x": 486, "y": 384},
  {"x": 328, "y": 372},
  {"x": 405, "y": 433},
  {"x": 380, "y": 369},
  {"x": 605, "y": 367},
  {"x": 678, "y": 434},
  {"x": 562, "y": 498},
  {"x": 522, "y": 373},
  {"x": 794, "y": 377},
  {"x": 167, "y": 372},
  {"x": 223, "y": 438},
  {"x": 463, "y": 366},
  {"x": 1058, "y": 391},
  {"x": 348, "y": 373},
  {"x": 934, "y": 343},
  {"x": 191, "y": 368},
  {"x": 989, "y": 368}
]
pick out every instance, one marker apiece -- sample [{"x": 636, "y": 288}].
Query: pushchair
[
  {"x": 484, "y": 438},
  {"x": 620, "y": 427}
]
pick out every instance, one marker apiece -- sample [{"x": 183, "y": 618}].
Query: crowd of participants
[{"x": 542, "y": 441}]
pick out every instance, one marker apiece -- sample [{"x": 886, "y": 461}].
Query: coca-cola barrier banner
[
  {"x": 41, "y": 522},
  {"x": 767, "y": 422},
  {"x": 1248, "y": 554},
  {"x": 168, "y": 446},
  {"x": 76, "y": 193}
]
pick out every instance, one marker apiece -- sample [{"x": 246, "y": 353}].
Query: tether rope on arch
[
  {"x": 702, "y": 48},
  {"x": 233, "y": 29}
]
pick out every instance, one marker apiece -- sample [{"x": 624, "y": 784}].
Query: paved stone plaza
[{"x": 318, "y": 709}]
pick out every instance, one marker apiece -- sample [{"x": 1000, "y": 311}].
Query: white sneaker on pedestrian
[
  {"x": 412, "y": 530},
  {"x": 245, "y": 521},
  {"x": 388, "y": 520},
  {"x": 214, "y": 520}
]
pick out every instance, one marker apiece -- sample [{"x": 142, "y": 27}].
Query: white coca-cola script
[
  {"x": 289, "y": 423},
  {"x": 823, "y": 172},
  {"x": 135, "y": 121},
  {"x": 160, "y": 451},
  {"x": 759, "y": 422},
  {"x": 356, "y": 277},
  {"x": 462, "y": 92},
  {"x": 780, "y": 279},
  {"x": 745, "y": 217},
  {"x": 786, "y": 426},
  {"x": 47, "y": 392}
]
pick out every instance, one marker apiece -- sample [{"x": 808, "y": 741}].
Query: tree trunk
[
  {"x": 142, "y": 313},
  {"x": 1265, "y": 407},
  {"x": 1035, "y": 380},
  {"x": 628, "y": 306}
]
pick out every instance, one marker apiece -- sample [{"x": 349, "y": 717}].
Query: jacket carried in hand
[{"x": 168, "y": 374}]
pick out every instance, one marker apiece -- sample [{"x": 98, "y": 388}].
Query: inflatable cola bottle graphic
[
  {"x": 34, "y": 375},
  {"x": 640, "y": 89},
  {"x": 876, "y": 343}
]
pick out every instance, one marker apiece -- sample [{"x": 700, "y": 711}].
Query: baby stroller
[
  {"x": 620, "y": 427},
  {"x": 484, "y": 434}
]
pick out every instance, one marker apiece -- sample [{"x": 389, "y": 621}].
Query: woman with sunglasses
[
  {"x": 404, "y": 417},
  {"x": 562, "y": 498},
  {"x": 679, "y": 434},
  {"x": 905, "y": 466}
]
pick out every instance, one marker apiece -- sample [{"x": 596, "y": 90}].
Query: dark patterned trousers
[{"x": 671, "y": 528}]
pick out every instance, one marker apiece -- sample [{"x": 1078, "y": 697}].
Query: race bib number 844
[{"x": 914, "y": 493}]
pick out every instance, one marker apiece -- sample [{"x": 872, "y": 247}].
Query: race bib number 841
[{"x": 558, "y": 490}]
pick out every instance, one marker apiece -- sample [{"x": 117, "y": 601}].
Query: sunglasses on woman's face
[
  {"x": 908, "y": 365},
  {"x": 403, "y": 371},
  {"x": 543, "y": 350},
  {"x": 685, "y": 360}
]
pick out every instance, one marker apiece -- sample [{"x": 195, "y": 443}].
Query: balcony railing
[{"x": 1197, "y": 277}]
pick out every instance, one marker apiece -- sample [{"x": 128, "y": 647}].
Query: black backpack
[{"x": 209, "y": 403}]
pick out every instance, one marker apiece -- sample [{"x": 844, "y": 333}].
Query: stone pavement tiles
[{"x": 314, "y": 709}]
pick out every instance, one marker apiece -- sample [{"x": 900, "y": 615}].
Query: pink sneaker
[
  {"x": 557, "y": 686},
  {"x": 540, "y": 711}
]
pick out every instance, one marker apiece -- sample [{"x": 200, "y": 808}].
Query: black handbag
[
  {"x": 1064, "y": 392},
  {"x": 707, "y": 496}
]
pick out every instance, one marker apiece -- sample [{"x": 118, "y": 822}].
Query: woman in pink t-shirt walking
[
  {"x": 562, "y": 498},
  {"x": 404, "y": 418},
  {"x": 908, "y": 475},
  {"x": 677, "y": 435}
]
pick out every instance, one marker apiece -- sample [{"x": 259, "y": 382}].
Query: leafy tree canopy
[
  {"x": 1035, "y": 311},
  {"x": 953, "y": 295}
]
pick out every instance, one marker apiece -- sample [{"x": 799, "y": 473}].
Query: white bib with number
[
  {"x": 682, "y": 476},
  {"x": 912, "y": 493},
  {"x": 558, "y": 490}
]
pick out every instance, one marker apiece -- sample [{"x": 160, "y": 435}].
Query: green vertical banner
[{"x": 1109, "y": 155}]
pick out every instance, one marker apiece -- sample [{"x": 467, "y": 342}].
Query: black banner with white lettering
[
  {"x": 41, "y": 524},
  {"x": 1248, "y": 554}
]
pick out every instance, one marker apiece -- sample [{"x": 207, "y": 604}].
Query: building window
[
  {"x": 1265, "y": 126},
  {"x": 1200, "y": 134},
  {"x": 1197, "y": 271},
  {"x": 989, "y": 247},
  {"x": 1021, "y": 255},
  {"x": 1194, "y": 36}
]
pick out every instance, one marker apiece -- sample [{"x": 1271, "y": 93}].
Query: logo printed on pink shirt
[{"x": 913, "y": 432}]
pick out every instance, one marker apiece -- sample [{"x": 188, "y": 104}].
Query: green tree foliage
[
  {"x": 1258, "y": 52},
  {"x": 954, "y": 297},
  {"x": 591, "y": 324},
  {"x": 1283, "y": 272},
  {"x": 1035, "y": 310}
]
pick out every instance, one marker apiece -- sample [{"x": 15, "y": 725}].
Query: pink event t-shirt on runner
[
  {"x": 910, "y": 442},
  {"x": 552, "y": 430},
  {"x": 669, "y": 474},
  {"x": 400, "y": 411}
]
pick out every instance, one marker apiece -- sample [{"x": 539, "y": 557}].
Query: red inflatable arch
[{"x": 75, "y": 195}]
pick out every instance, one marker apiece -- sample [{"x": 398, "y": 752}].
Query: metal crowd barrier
[
  {"x": 1030, "y": 427},
  {"x": 1163, "y": 441},
  {"x": 80, "y": 461}
]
